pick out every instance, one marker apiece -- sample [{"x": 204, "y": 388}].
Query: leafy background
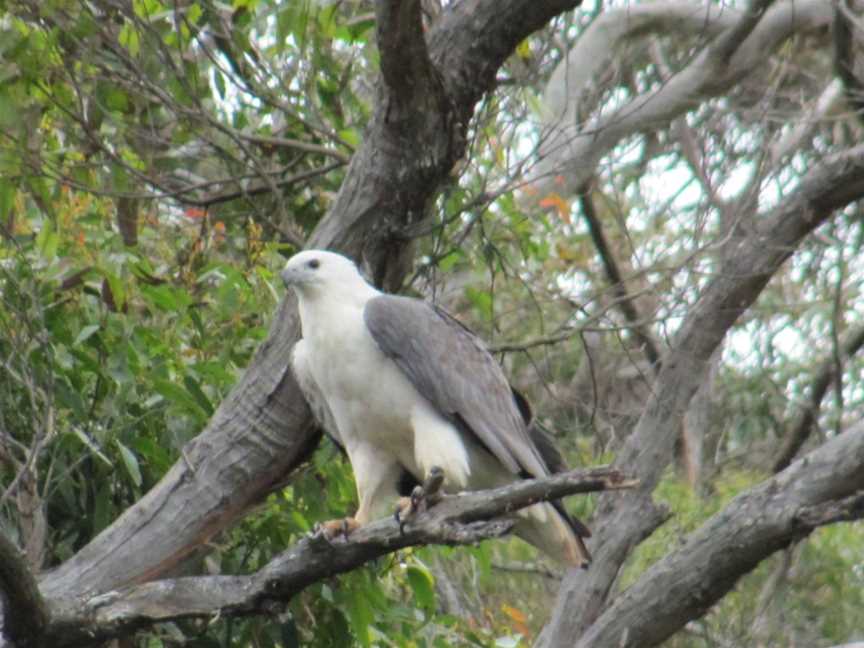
[{"x": 158, "y": 163}]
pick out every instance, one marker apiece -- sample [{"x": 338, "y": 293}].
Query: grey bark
[
  {"x": 824, "y": 487},
  {"x": 91, "y": 618},
  {"x": 570, "y": 153},
  {"x": 752, "y": 262}
]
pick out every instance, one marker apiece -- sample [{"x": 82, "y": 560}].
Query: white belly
[
  {"x": 373, "y": 402},
  {"x": 365, "y": 391}
]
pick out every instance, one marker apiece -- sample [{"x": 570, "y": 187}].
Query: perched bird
[{"x": 404, "y": 388}]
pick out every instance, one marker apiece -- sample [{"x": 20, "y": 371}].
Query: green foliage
[
  {"x": 193, "y": 121},
  {"x": 107, "y": 360},
  {"x": 816, "y": 598}
]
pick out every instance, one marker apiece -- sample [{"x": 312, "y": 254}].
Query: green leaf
[
  {"x": 131, "y": 463},
  {"x": 153, "y": 454},
  {"x": 86, "y": 333},
  {"x": 102, "y": 506},
  {"x": 219, "y": 82},
  {"x": 350, "y": 136},
  {"x": 179, "y": 396},
  {"x": 361, "y": 617},
  {"x": 92, "y": 446},
  {"x": 47, "y": 241},
  {"x": 118, "y": 291},
  {"x": 165, "y": 297},
  {"x": 7, "y": 198},
  {"x": 194, "y": 12},
  {"x": 130, "y": 39},
  {"x": 194, "y": 388},
  {"x": 482, "y": 301},
  {"x": 423, "y": 586}
]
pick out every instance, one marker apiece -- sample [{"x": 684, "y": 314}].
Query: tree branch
[
  {"x": 474, "y": 38},
  {"x": 727, "y": 44},
  {"x": 806, "y": 418},
  {"x": 574, "y": 149},
  {"x": 613, "y": 274},
  {"x": 647, "y": 451},
  {"x": 455, "y": 520},
  {"x": 825, "y": 487},
  {"x": 405, "y": 64}
]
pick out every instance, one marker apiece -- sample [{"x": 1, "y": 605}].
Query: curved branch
[
  {"x": 455, "y": 520},
  {"x": 825, "y": 487},
  {"x": 752, "y": 262},
  {"x": 576, "y": 149},
  {"x": 821, "y": 109}
]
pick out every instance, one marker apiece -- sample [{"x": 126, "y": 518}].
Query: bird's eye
[{"x": 314, "y": 263}]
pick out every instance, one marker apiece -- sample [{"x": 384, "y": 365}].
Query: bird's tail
[{"x": 554, "y": 533}]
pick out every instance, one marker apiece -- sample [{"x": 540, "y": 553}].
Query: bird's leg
[
  {"x": 422, "y": 497},
  {"x": 330, "y": 530}
]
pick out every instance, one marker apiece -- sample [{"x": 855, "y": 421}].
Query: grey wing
[
  {"x": 449, "y": 365},
  {"x": 314, "y": 396}
]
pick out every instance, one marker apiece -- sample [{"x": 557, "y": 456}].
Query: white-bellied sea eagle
[{"x": 403, "y": 387}]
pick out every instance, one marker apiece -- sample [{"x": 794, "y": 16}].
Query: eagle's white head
[{"x": 317, "y": 274}]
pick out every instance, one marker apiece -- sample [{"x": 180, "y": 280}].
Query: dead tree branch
[{"x": 459, "y": 519}]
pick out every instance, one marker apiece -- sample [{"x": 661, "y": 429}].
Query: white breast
[{"x": 372, "y": 401}]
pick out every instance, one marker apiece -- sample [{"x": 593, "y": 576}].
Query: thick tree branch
[
  {"x": 647, "y": 452},
  {"x": 389, "y": 185},
  {"x": 405, "y": 65},
  {"x": 825, "y": 487},
  {"x": 806, "y": 419},
  {"x": 459, "y": 519},
  {"x": 474, "y": 38}
]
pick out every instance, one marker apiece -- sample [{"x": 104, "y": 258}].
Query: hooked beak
[{"x": 292, "y": 277}]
